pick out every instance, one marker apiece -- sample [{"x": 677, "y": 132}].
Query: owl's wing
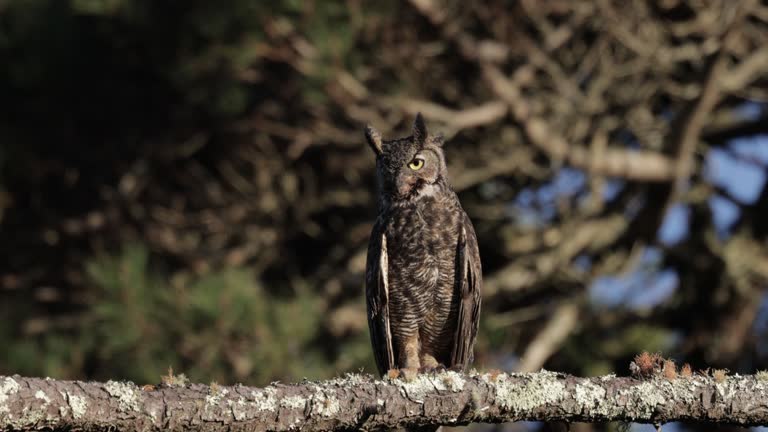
[
  {"x": 377, "y": 299},
  {"x": 469, "y": 279}
]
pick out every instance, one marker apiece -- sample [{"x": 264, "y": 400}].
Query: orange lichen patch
[
  {"x": 646, "y": 364},
  {"x": 719, "y": 374},
  {"x": 167, "y": 379},
  {"x": 670, "y": 370},
  {"x": 171, "y": 380},
  {"x": 686, "y": 370},
  {"x": 493, "y": 374},
  {"x": 393, "y": 373}
]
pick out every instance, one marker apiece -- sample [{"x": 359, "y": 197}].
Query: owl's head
[{"x": 410, "y": 167}]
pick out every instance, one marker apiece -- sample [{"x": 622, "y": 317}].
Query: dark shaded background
[{"x": 185, "y": 183}]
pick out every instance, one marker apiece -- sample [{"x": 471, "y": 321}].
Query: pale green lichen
[
  {"x": 293, "y": 402},
  {"x": 725, "y": 389},
  {"x": 477, "y": 404},
  {"x": 295, "y": 424},
  {"x": 686, "y": 390},
  {"x": 350, "y": 380},
  {"x": 591, "y": 398},
  {"x": 265, "y": 400},
  {"x": 759, "y": 385},
  {"x": 153, "y": 415},
  {"x": 424, "y": 384},
  {"x": 644, "y": 398},
  {"x": 762, "y": 375},
  {"x": 8, "y": 387},
  {"x": 453, "y": 381},
  {"x": 126, "y": 394},
  {"x": 42, "y": 396},
  {"x": 78, "y": 404},
  {"x": 216, "y": 394},
  {"x": 325, "y": 405},
  {"x": 32, "y": 416},
  {"x": 532, "y": 391},
  {"x": 239, "y": 409}
]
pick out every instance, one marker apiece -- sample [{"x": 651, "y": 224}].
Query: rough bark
[{"x": 362, "y": 402}]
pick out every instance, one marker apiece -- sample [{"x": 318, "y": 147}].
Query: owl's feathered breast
[{"x": 421, "y": 239}]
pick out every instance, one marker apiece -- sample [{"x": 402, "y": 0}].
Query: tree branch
[
  {"x": 361, "y": 402},
  {"x": 640, "y": 165}
]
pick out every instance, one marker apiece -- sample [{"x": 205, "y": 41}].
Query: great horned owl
[{"x": 423, "y": 275}]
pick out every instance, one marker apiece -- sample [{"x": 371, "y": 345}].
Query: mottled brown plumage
[{"x": 423, "y": 275}]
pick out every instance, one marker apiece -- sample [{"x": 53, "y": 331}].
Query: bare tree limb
[
  {"x": 693, "y": 124},
  {"x": 482, "y": 115},
  {"x": 361, "y": 402},
  {"x": 639, "y": 165},
  {"x": 571, "y": 239}
]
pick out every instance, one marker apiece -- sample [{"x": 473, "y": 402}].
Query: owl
[{"x": 423, "y": 274}]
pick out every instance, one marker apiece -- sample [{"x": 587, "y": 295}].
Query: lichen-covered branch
[{"x": 362, "y": 402}]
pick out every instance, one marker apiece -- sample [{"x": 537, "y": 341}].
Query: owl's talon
[
  {"x": 408, "y": 374},
  {"x": 432, "y": 369}
]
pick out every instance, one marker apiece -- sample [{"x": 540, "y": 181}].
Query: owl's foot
[
  {"x": 432, "y": 369},
  {"x": 428, "y": 362},
  {"x": 408, "y": 374}
]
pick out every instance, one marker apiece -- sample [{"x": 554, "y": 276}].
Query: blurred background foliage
[{"x": 185, "y": 183}]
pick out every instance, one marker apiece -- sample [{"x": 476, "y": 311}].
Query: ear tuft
[
  {"x": 419, "y": 130},
  {"x": 438, "y": 139},
  {"x": 374, "y": 139}
]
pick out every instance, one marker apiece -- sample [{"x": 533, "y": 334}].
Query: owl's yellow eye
[{"x": 416, "y": 164}]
